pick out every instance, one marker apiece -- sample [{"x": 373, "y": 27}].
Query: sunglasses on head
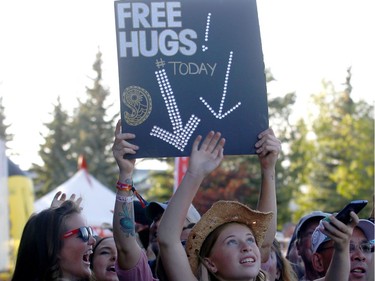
[{"x": 84, "y": 233}]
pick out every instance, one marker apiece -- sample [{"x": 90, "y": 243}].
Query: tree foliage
[
  {"x": 338, "y": 158},
  {"x": 237, "y": 178},
  {"x": 93, "y": 130},
  {"x": 87, "y": 133},
  {"x": 58, "y": 165}
]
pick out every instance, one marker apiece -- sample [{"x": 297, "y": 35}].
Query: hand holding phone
[{"x": 355, "y": 206}]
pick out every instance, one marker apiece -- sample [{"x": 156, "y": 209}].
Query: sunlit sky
[{"x": 47, "y": 49}]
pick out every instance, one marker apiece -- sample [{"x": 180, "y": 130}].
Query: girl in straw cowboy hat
[{"x": 230, "y": 240}]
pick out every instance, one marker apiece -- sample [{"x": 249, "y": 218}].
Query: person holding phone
[{"x": 344, "y": 251}]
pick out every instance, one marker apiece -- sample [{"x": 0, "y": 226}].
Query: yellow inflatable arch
[{"x": 21, "y": 206}]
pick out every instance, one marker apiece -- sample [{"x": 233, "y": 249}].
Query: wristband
[
  {"x": 124, "y": 186},
  {"x": 128, "y": 186},
  {"x": 125, "y": 199}
]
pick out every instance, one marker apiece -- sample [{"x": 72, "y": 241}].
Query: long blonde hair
[{"x": 283, "y": 265}]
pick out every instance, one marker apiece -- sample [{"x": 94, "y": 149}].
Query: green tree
[
  {"x": 280, "y": 110},
  {"x": 93, "y": 130},
  {"x": 339, "y": 155},
  {"x": 161, "y": 183},
  {"x": 87, "y": 133},
  {"x": 58, "y": 165},
  {"x": 237, "y": 178}
]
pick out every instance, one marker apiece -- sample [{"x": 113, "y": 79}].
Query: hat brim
[
  {"x": 367, "y": 227},
  {"x": 220, "y": 213},
  {"x": 313, "y": 216}
]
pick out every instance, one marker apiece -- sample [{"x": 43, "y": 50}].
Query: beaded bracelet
[
  {"x": 124, "y": 186},
  {"x": 126, "y": 199},
  {"x": 129, "y": 187}
]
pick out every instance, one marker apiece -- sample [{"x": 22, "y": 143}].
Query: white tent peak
[
  {"x": 97, "y": 200},
  {"x": 82, "y": 163}
]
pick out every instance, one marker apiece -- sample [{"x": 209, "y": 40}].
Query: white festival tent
[{"x": 97, "y": 200}]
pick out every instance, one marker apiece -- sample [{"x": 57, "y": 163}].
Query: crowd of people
[{"x": 171, "y": 240}]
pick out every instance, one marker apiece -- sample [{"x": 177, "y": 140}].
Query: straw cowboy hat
[{"x": 220, "y": 213}]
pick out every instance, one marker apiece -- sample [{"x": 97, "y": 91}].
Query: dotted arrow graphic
[
  {"x": 181, "y": 135},
  {"x": 220, "y": 114}
]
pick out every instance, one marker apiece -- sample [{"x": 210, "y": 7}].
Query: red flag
[{"x": 180, "y": 167}]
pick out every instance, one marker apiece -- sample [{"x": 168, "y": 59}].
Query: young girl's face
[
  {"x": 235, "y": 254},
  {"x": 74, "y": 256},
  {"x": 104, "y": 261}
]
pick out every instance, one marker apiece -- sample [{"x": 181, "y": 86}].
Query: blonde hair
[{"x": 283, "y": 265}]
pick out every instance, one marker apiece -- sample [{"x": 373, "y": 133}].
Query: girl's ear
[{"x": 210, "y": 265}]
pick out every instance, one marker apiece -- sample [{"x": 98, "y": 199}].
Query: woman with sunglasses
[{"x": 55, "y": 245}]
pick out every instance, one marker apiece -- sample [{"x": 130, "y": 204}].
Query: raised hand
[
  {"x": 206, "y": 156},
  {"x": 60, "y": 197},
  {"x": 121, "y": 147},
  {"x": 268, "y": 148},
  {"x": 339, "y": 232}
]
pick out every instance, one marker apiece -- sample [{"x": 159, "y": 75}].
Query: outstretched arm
[
  {"x": 339, "y": 268},
  {"x": 268, "y": 148},
  {"x": 128, "y": 250},
  {"x": 205, "y": 157}
]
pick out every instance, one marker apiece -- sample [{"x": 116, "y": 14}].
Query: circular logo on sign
[{"x": 139, "y": 102}]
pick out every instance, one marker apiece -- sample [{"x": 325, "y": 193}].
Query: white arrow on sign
[
  {"x": 220, "y": 114},
  {"x": 181, "y": 135}
]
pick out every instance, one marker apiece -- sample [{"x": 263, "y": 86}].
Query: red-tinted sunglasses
[{"x": 84, "y": 233}]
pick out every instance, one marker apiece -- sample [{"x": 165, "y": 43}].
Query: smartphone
[{"x": 355, "y": 206}]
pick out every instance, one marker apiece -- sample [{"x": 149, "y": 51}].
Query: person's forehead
[
  {"x": 234, "y": 229},
  {"x": 75, "y": 221},
  {"x": 107, "y": 244},
  {"x": 109, "y": 241}
]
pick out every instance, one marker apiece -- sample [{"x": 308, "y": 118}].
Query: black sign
[{"x": 188, "y": 67}]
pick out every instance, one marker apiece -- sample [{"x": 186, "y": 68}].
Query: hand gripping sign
[{"x": 188, "y": 67}]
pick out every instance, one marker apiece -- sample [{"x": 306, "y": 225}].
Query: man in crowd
[
  {"x": 361, "y": 252},
  {"x": 304, "y": 230}
]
